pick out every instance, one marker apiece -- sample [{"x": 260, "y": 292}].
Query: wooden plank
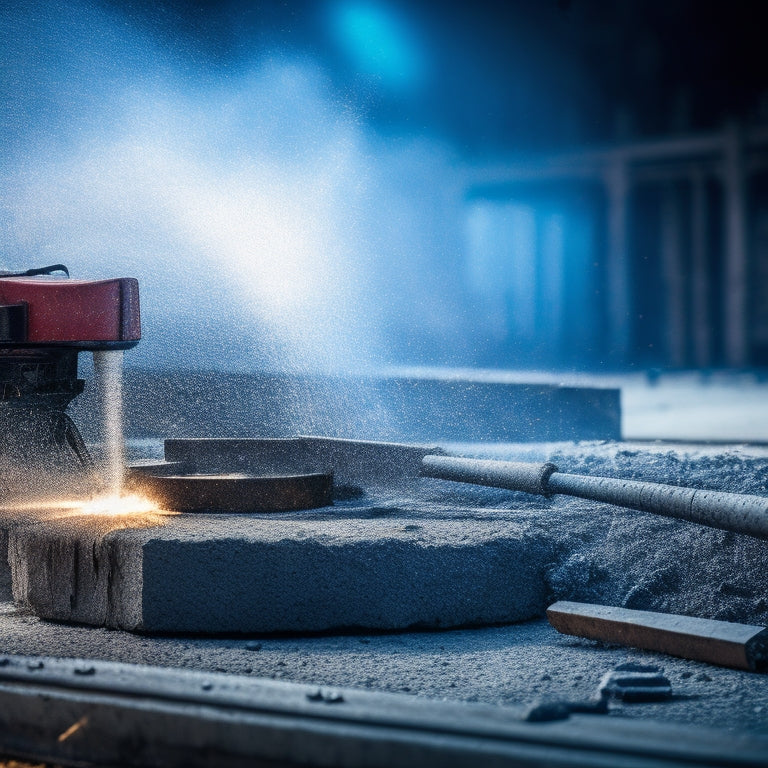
[{"x": 724, "y": 643}]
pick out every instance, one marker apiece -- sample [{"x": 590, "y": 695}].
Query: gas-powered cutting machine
[{"x": 46, "y": 320}]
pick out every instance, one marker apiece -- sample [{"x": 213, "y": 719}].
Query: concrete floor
[
  {"x": 598, "y": 554},
  {"x": 519, "y": 664}
]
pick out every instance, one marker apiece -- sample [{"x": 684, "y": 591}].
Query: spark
[
  {"x": 116, "y": 504},
  {"x": 107, "y": 505},
  {"x": 74, "y": 728}
]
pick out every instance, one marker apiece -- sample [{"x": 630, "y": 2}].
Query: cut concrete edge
[
  {"x": 6, "y": 582},
  {"x": 73, "y": 571}
]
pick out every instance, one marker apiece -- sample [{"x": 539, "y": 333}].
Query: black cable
[{"x": 38, "y": 271}]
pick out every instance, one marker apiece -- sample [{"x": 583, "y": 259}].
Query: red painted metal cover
[{"x": 76, "y": 311}]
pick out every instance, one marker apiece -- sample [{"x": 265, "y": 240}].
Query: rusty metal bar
[
  {"x": 78, "y": 712},
  {"x": 723, "y": 643},
  {"x": 740, "y": 513}
]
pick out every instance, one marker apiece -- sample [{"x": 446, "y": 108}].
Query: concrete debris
[
  {"x": 549, "y": 711},
  {"x": 635, "y": 683}
]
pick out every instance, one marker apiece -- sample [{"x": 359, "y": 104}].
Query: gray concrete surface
[
  {"x": 402, "y": 406},
  {"x": 347, "y": 567},
  {"x": 519, "y": 664},
  {"x": 428, "y": 553}
]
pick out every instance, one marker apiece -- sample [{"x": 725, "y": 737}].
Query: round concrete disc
[{"x": 235, "y": 493}]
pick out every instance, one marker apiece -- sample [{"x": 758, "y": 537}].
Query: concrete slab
[
  {"x": 235, "y": 573},
  {"x": 410, "y": 406}
]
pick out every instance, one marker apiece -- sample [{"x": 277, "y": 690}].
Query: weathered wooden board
[{"x": 723, "y": 643}]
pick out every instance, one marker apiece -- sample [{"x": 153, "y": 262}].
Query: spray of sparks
[
  {"x": 108, "y": 505},
  {"x": 114, "y": 504}
]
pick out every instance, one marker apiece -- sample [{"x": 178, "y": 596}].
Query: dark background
[
  {"x": 226, "y": 152},
  {"x": 513, "y": 75}
]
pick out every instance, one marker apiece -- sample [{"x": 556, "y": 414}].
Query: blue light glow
[{"x": 379, "y": 44}]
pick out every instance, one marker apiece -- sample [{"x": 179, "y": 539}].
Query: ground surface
[
  {"x": 517, "y": 664},
  {"x": 600, "y": 554}
]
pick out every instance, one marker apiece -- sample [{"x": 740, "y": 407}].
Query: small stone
[
  {"x": 252, "y": 645},
  {"x": 635, "y": 683},
  {"x": 325, "y": 697},
  {"x": 546, "y": 712},
  {"x": 685, "y": 675},
  {"x": 546, "y": 677},
  {"x": 633, "y": 666},
  {"x": 703, "y": 677}
]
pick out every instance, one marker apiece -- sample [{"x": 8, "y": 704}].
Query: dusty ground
[
  {"x": 601, "y": 554},
  {"x": 517, "y": 664}
]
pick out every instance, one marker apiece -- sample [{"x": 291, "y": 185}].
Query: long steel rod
[{"x": 735, "y": 512}]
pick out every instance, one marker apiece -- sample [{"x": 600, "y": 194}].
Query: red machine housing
[{"x": 85, "y": 314}]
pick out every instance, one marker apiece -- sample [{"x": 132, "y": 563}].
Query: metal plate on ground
[{"x": 235, "y": 493}]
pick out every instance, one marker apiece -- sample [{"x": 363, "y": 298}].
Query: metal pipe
[
  {"x": 740, "y": 513},
  {"x": 513, "y": 475}
]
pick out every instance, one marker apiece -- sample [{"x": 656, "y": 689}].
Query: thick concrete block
[
  {"x": 259, "y": 574},
  {"x": 439, "y": 406}
]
